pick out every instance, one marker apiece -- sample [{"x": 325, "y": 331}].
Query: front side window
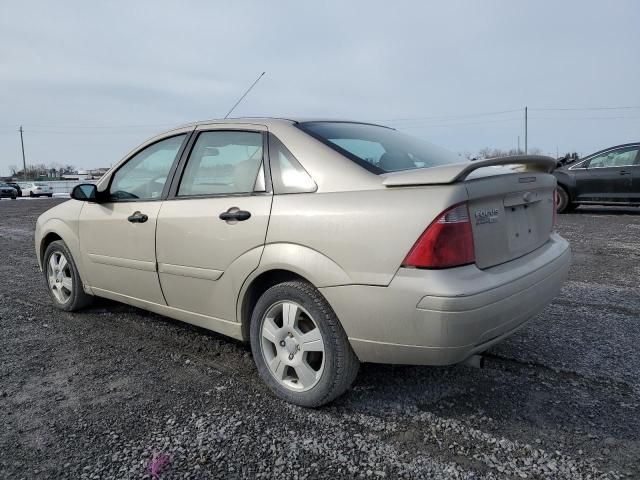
[
  {"x": 379, "y": 149},
  {"x": 223, "y": 162},
  {"x": 145, "y": 174},
  {"x": 618, "y": 158}
]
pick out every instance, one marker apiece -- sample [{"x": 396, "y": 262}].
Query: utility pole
[
  {"x": 24, "y": 162},
  {"x": 525, "y": 131},
  {"x": 518, "y": 144}
]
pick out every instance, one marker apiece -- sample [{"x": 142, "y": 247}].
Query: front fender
[
  {"x": 565, "y": 181},
  {"x": 61, "y": 220}
]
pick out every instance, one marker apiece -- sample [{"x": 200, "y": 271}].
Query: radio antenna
[{"x": 245, "y": 94}]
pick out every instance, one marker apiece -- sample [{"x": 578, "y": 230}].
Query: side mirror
[{"x": 86, "y": 192}]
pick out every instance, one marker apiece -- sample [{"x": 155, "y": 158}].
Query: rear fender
[{"x": 305, "y": 262}]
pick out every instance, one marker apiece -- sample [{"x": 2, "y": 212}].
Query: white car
[{"x": 36, "y": 189}]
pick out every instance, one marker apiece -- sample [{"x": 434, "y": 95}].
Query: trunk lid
[
  {"x": 511, "y": 215},
  {"x": 510, "y": 208}
]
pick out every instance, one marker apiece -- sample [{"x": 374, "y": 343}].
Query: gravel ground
[{"x": 100, "y": 393}]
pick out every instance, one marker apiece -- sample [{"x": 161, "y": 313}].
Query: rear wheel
[
  {"x": 300, "y": 349},
  {"x": 63, "y": 279},
  {"x": 50, "y": 195},
  {"x": 564, "y": 202},
  {"x": 31, "y": 194}
]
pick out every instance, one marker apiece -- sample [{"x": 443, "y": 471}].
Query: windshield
[
  {"x": 38, "y": 184},
  {"x": 379, "y": 149}
]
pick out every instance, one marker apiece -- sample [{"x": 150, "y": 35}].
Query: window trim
[
  {"x": 181, "y": 166},
  {"x": 165, "y": 190}
]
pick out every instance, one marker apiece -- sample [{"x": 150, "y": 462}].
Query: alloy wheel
[
  {"x": 292, "y": 346},
  {"x": 60, "y": 277}
]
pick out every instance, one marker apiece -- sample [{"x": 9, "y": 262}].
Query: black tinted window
[{"x": 379, "y": 149}]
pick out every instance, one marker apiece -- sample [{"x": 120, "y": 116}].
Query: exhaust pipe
[{"x": 475, "y": 361}]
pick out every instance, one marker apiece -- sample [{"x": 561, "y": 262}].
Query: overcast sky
[{"x": 91, "y": 80}]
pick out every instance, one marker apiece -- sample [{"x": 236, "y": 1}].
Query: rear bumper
[{"x": 440, "y": 317}]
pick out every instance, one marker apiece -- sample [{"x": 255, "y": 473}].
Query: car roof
[
  {"x": 615, "y": 147},
  {"x": 272, "y": 121}
]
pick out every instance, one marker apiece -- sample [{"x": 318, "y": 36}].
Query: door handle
[
  {"x": 235, "y": 214},
  {"x": 625, "y": 172},
  {"x": 137, "y": 217}
]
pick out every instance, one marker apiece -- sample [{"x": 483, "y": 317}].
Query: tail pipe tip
[{"x": 475, "y": 361}]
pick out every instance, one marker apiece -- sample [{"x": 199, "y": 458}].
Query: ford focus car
[{"x": 322, "y": 243}]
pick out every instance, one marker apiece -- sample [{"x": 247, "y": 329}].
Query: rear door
[
  {"x": 212, "y": 228},
  {"x": 608, "y": 177},
  {"x": 117, "y": 235}
]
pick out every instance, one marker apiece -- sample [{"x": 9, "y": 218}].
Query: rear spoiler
[{"x": 457, "y": 172}]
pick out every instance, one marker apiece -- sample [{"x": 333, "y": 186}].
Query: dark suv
[
  {"x": 7, "y": 191},
  {"x": 607, "y": 177},
  {"x": 17, "y": 187}
]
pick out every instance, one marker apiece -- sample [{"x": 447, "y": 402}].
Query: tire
[
  {"x": 50, "y": 195},
  {"x": 64, "y": 285},
  {"x": 328, "y": 368},
  {"x": 31, "y": 194},
  {"x": 564, "y": 202},
  {"x": 13, "y": 198}
]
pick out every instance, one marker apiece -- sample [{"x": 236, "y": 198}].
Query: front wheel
[
  {"x": 300, "y": 349},
  {"x": 564, "y": 202},
  {"x": 63, "y": 279}
]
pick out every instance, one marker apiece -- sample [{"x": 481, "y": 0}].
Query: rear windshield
[
  {"x": 379, "y": 149},
  {"x": 37, "y": 184}
]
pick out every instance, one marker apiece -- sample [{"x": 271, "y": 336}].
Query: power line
[
  {"x": 428, "y": 125},
  {"x": 584, "y": 108},
  {"x": 452, "y": 117},
  {"x": 585, "y": 118}
]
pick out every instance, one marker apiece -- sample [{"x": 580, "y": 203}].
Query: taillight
[{"x": 447, "y": 242}]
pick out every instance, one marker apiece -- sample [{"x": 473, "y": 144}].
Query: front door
[
  {"x": 212, "y": 228},
  {"x": 608, "y": 177},
  {"x": 117, "y": 235}
]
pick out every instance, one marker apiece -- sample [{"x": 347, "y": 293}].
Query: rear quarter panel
[{"x": 366, "y": 233}]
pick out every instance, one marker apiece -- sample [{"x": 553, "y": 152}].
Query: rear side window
[
  {"x": 287, "y": 174},
  {"x": 223, "y": 162},
  {"x": 379, "y": 149}
]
